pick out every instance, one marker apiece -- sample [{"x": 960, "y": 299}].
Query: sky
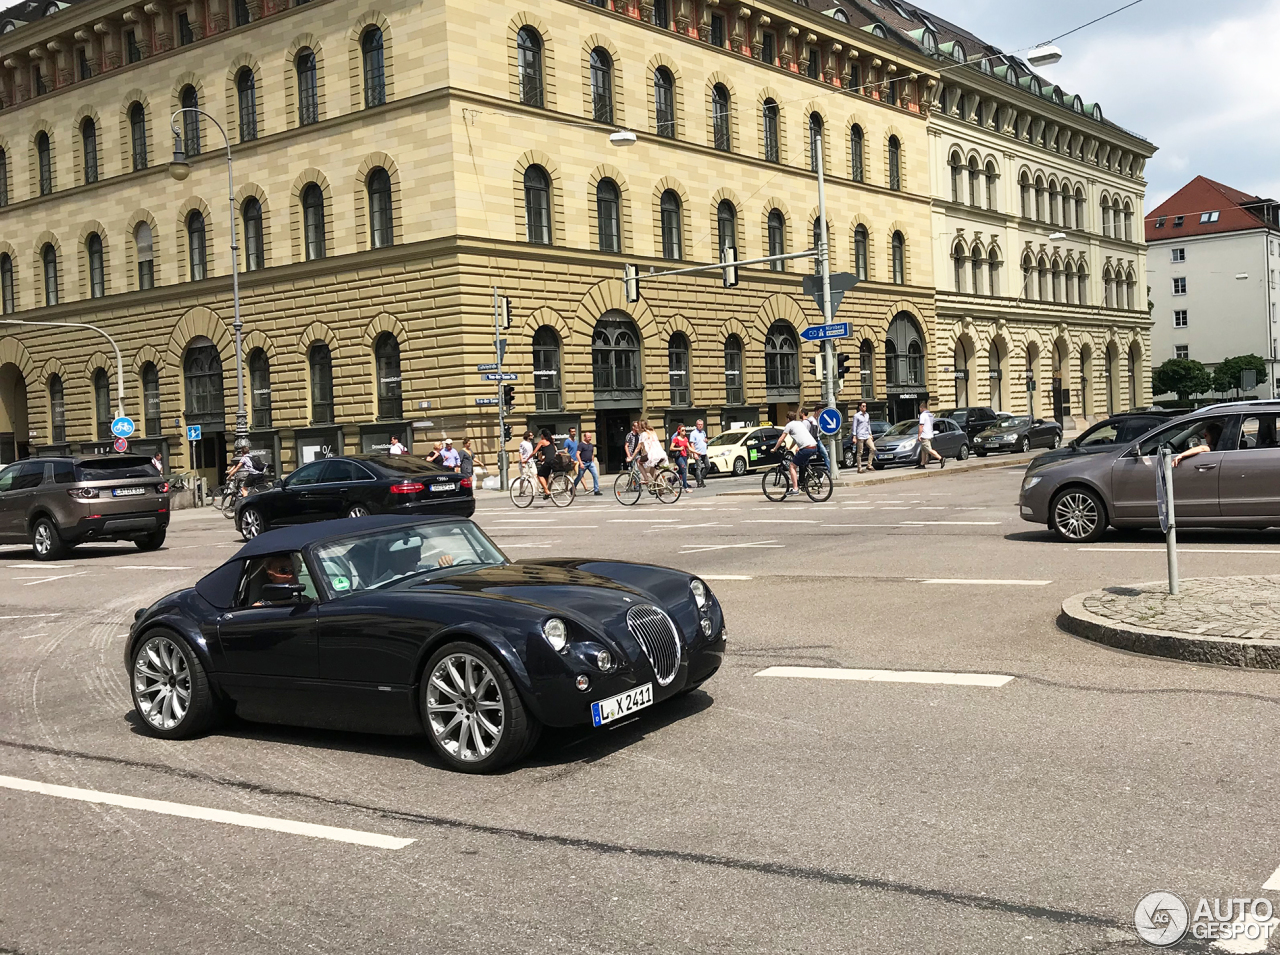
[{"x": 1194, "y": 78}]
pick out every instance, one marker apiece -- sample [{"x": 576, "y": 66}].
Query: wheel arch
[
  {"x": 175, "y": 626},
  {"x": 39, "y": 511},
  {"x": 1081, "y": 484},
  {"x": 489, "y": 639}
]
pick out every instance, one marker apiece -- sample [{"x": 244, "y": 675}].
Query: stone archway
[{"x": 14, "y": 424}]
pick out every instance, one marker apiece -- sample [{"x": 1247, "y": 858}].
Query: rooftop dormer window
[
  {"x": 1160, "y": 222},
  {"x": 1178, "y": 220},
  {"x": 878, "y": 30},
  {"x": 1208, "y": 217},
  {"x": 838, "y": 14}
]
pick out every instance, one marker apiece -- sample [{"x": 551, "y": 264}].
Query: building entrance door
[{"x": 612, "y": 428}]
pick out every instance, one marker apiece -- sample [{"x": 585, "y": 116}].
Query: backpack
[{"x": 813, "y": 430}]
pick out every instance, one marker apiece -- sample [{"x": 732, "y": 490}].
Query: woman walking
[{"x": 680, "y": 450}]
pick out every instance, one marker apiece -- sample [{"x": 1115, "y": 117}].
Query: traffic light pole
[
  {"x": 824, "y": 263},
  {"x": 502, "y": 408}
]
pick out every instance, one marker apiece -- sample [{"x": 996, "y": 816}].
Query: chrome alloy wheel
[
  {"x": 358, "y": 510},
  {"x": 1076, "y": 515},
  {"x": 42, "y": 538},
  {"x": 465, "y": 707},
  {"x": 162, "y": 683},
  {"x": 250, "y": 523}
]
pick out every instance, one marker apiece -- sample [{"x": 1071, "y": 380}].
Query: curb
[
  {"x": 909, "y": 475},
  {"x": 1189, "y": 648}
]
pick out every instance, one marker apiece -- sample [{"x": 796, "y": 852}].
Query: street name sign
[
  {"x": 488, "y": 366},
  {"x": 486, "y": 401},
  {"x": 501, "y": 376},
  {"x": 820, "y": 333}
]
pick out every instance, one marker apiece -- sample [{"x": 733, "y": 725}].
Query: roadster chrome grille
[{"x": 659, "y": 640}]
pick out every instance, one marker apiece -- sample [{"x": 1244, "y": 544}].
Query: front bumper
[
  {"x": 994, "y": 447},
  {"x": 1033, "y": 502},
  {"x": 908, "y": 454}
]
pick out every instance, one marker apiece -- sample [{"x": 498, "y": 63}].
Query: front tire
[
  {"x": 170, "y": 689},
  {"x": 152, "y": 541},
  {"x": 1056, "y": 443},
  {"x": 739, "y": 467},
  {"x": 775, "y": 483},
  {"x": 1078, "y": 516},
  {"x": 475, "y": 719},
  {"x": 251, "y": 523},
  {"x": 561, "y": 490},
  {"x": 1024, "y": 446},
  {"x": 963, "y": 453},
  {"x": 522, "y": 491},
  {"x": 626, "y": 487},
  {"x": 46, "y": 542},
  {"x": 849, "y": 461},
  {"x": 818, "y": 485}
]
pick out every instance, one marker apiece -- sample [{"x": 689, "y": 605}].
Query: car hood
[
  {"x": 996, "y": 432},
  {"x": 1066, "y": 453},
  {"x": 540, "y": 588}
]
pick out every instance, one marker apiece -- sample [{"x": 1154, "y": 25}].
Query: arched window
[
  {"x": 815, "y": 141},
  {"x": 1068, "y": 207},
  {"x": 247, "y": 104},
  {"x": 1043, "y": 272},
  {"x": 977, "y": 260},
  {"x": 975, "y": 188},
  {"x": 1069, "y": 282},
  {"x": 320, "y": 364},
  {"x": 1108, "y": 289},
  {"x": 386, "y": 359},
  {"x": 195, "y": 245},
  {"x": 857, "y": 144},
  {"x": 97, "y": 274},
  {"x": 733, "y": 393},
  {"x": 777, "y": 238},
  {"x": 102, "y": 404},
  {"x": 313, "y": 226},
  {"x": 1057, "y": 281},
  {"x": 304, "y": 64},
  {"x": 995, "y": 374},
  {"x": 958, "y": 265},
  {"x": 601, "y": 86},
  {"x": 546, "y": 370},
  {"x": 1128, "y": 223},
  {"x": 1024, "y": 183},
  {"x": 860, "y": 239},
  {"x": 1132, "y": 287},
  {"x": 904, "y": 351},
  {"x": 722, "y": 138},
  {"x": 190, "y": 100},
  {"x": 255, "y": 251},
  {"x": 89, "y": 147},
  {"x": 138, "y": 136},
  {"x": 49, "y": 256},
  {"x": 1040, "y": 194},
  {"x": 895, "y": 164},
  {"x": 615, "y": 355},
  {"x": 57, "y": 410},
  {"x": 672, "y": 228},
  {"x": 899, "y": 259},
  {"x": 1106, "y": 217},
  {"x": 866, "y": 369},
  {"x": 537, "y": 205},
  {"x": 1028, "y": 278},
  {"x": 4, "y": 178},
  {"x": 529, "y": 62},
  {"x": 678, "y": 369},
  {"x": 44, "y": 159},
  {"x": 142, "y": 244},
  {"x": 781, "y": 360},
  {"x": 150, "y": 400},
  {"x": 381, "y": 226},
  {"x": 993, "y": 271},
  {"x": 6, "y": 284},
  {"x": 726, "y": 225},
  {"x": 664, "y": 102},
  {"x": 770, "y": 122},
  {"x": 375, "y": 76},
  {"x": 993, "y": 190},
  {"x": 259, "y": 390},
  {"x": 957, "y": 178},
  {"x": 1053, "y": 202},
  {"x": 1082, "y": 285},
  {"x": 608, "y": 217},
  {"x": 202, "y": 371}
]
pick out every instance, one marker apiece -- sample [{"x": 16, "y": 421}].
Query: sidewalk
[{"x": 1228, "y": 621}]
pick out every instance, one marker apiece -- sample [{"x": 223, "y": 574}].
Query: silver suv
[
  {"x": 55, "y": 503},
  {"x": 1234, "y": 483}
]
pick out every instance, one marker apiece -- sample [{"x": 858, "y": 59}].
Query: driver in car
[
  {"x": 406, "y": 560},
  {"x": 278, "y": 569},
  {"x": 1206, "y": 439}
]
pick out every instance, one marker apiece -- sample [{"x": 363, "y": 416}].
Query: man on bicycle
[
  {"x": 806, "y": 447},
  {"x": 633, "y": 441},
  {"x": 245, "y": 471}
]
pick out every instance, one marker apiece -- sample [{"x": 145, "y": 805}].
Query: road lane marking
[
  {"x": 44, "y": 580},
  {"x": 148, "y": 567},
  {"x": 559, "y": 527},
  {"x": 1182, "y": 549},
  {"x": 897, "y": 507},
  {"x": 524, "y": 520},
  {"x": 951, "y": 523},
  {"x": 723, "y": 577},
  {"x": 28, "y": 616},
  {"x": 699, "y": 548},
  {"x": 889, "y": 676},
  {"x": 861, "y": 525},
  {"x": 982, "y": 583},
  {"x": 781, "y": 521},
  {"x": 247, "y": 820},
  {"x": 644, "y": 520},
  {"x": 1273, "y": 884}
]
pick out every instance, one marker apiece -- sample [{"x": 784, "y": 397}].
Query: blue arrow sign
[
  {"x": 193, "y": 432},
  {"x": 122, "y": 427},
  {"x": 829, "y": 421},
  {"x": 818, "y": 333},
  {"x": 501, "y": 376}
]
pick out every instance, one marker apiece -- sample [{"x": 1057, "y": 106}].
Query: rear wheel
[
  {"x": 775, "y": 482},
  {"x": 849, "y": 460},
  {"x": 668, "y": 484},
  {"x": 170, "y": 689},
  {"x": 963, "y": 453},
  {"x": 561, "y": 490},
  {"x": 152, "y": 541},
  {"x": 475, "y": 719},
  {"x": 251, "y": 523},
  {"x": 46, "y": 542},
  {"x": 522, "y": 491},
  {"x": 626, "y": 487},
  {"x": 357, "y": 510},
  {"x": 739, "y": 467},
  {"x": 1078, "y": 516},
  {"x": 817, "y": 484},
  {"x": 1056, "y": 442}
]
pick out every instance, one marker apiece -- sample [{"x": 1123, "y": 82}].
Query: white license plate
[
  {"x": 444, "y": 487},
  {"x": 127, "y": 491},
  {"x": 616, "y": 707}
]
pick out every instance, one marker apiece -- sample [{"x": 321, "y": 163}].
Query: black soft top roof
[{"x": 299, "y": 536}]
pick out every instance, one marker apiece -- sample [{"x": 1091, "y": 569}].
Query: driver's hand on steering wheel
[{"x": 446, "y": 560}]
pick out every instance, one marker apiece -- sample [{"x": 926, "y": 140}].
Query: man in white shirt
[
  {"x": 396, "y": 446},
  {"x": 925, "y": 435},
  {"x": 797, "y": 429},
  {"x": 527, "y": 467},
  {"x": 449, "y": 457},
  {"x": 698, "y": 451},
  {"x": 862, "y": 438}
]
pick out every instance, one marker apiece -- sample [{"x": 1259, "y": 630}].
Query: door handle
[{"x": 1205, "y": 467}]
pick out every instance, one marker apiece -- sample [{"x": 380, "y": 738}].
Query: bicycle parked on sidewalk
[
  {"x": 814, "y": 480},
  {"x": 665, "y": 486}
]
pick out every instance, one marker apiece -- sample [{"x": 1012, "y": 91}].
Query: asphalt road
[{"x": 761, "y": 814}]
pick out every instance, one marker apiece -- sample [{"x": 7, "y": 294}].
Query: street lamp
[
  {"x": 179, "y": 170},
  {"x": 1046, "y": 55}
]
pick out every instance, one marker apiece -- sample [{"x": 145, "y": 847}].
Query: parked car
[
  {"x": 742, "y": 450},
  {"x": 899, "y": 444},
  {"x": 1018, "y": 433},
  {"x": 1105, "y": 435},
  {"x": 878, "y": 428},
  {"x": 53, "y": 504},
  {"x": 973, "y": 420},
  {"x": 399, "y": 625},
  {"x": 355, "y": 486},
  {"x": 1235, "y": 483}
]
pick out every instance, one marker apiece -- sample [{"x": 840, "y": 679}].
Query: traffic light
[
  {"x": 842, "y": 365},
  {"x": 631, "y": 279},
  {"x": 506, "y": 432},
  {"x": 509, "y": 396},
  {"x": 818, "y": 365}
]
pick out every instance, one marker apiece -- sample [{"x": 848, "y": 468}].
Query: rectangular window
[
  {"x": 717, "y": 30},
  {"x": 768, "y": 53},
  {"x": 1181, "y": 351},
  {"x": 1179, "y": 255},
  {"x": 82, "y": 60},
  {"x": 1180, "y": 318},
  {"x": 1178, "y": 220},
  {"x": 660, "y": 16},
  {"x": 814, "y": 56},
  {"x": 1208, "y": 217},
  {"x": 185, "y": 34},
  {"x": 41, "y": 89},
  {"x": 133, "y": 52},
  {"x": 1160, "y": 222},
  {"x": 1180, "y": 286}
]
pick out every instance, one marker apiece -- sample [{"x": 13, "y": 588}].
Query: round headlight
[
  {"x": 604, "y": 661},
  {"x": 556, "y": 634},
  {"x": 706, "y": 626},
  {"x": 699, "y": 590}
]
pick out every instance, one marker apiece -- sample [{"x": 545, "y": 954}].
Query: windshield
[
  {"x": 903, "y": 427},
  {"x": 959, "y": 417},
  {"x": 1102, "y": 433},
  {"x": 1018, "y": 421},
  {"x": 371, "y": 561},
  {"x": 729, "y": 437}
]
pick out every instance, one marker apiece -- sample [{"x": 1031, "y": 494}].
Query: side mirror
[
  {"x": 1073, "y": 443},
  {"x": 1039, "y": 420},
  {"x": 283, "y": 593}
]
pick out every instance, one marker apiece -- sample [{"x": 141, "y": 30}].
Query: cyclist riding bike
[
  {"x": 806, "y": 447},
  {"x": 245, "y": 472}
]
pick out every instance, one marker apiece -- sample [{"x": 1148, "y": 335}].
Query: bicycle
[
  {"x": 524, "y": 490},
  {"x": 814, "y": 480},
  {"x": 665, "y": 486}
]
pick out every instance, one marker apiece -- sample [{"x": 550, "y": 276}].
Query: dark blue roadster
[{"x": 420, "y": 625}]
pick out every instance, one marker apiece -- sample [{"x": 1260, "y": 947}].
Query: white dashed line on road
[
  {"x": 700, "y": 548},
  {"x": 982, "y": 583},
  {"x": 951, "y": 523},
  {"x": 889, "y": 676},
  {"x": 724, "y": 577},
  {"x": 644, "y": 520},
  {"x": 44, "y": 580},
  {"x": 148, "y": 567},
  {"x": 29, "y": 616},
  {"x": 248, "y": 820},
  {"x": 1182, "y": 549},
  {"x": 782, "y": 521}
]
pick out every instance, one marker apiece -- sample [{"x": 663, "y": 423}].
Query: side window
[
  {"x": 1258, "y": 432},
  {"x": 64, "y": 472},
  {"x": 307, "y": 474},
  {"x": 754, "y": 440},
  {"x": 1133, "y": 429},
  {"x": 338, "y": 471},
  {"x": 286, "y": 568},
  {"x": 7, "y": 476},
  {"x": 1104, "y": 435},
  {"x": 30, "y": 474},
  {"x": 1186, "y": 434}
]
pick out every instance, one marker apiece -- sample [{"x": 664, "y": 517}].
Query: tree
[
  {"x": 1226, "y": 376},
  {"x": 1182, "y": 376}
]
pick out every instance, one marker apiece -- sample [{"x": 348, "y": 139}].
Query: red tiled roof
[{"x": 1197, "y": 197}]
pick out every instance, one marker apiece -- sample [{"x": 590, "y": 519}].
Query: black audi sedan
[
  {"x": 355, "y": 486},
  {"x": 398, "y": 625}
]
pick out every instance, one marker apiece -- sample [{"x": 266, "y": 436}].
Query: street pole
[
  {"x": 1171, "y": 538},
  {"x": 119, "y": 361},
  {"x": 502, "y": 408},
  {"x": 824, "y": 260}
]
